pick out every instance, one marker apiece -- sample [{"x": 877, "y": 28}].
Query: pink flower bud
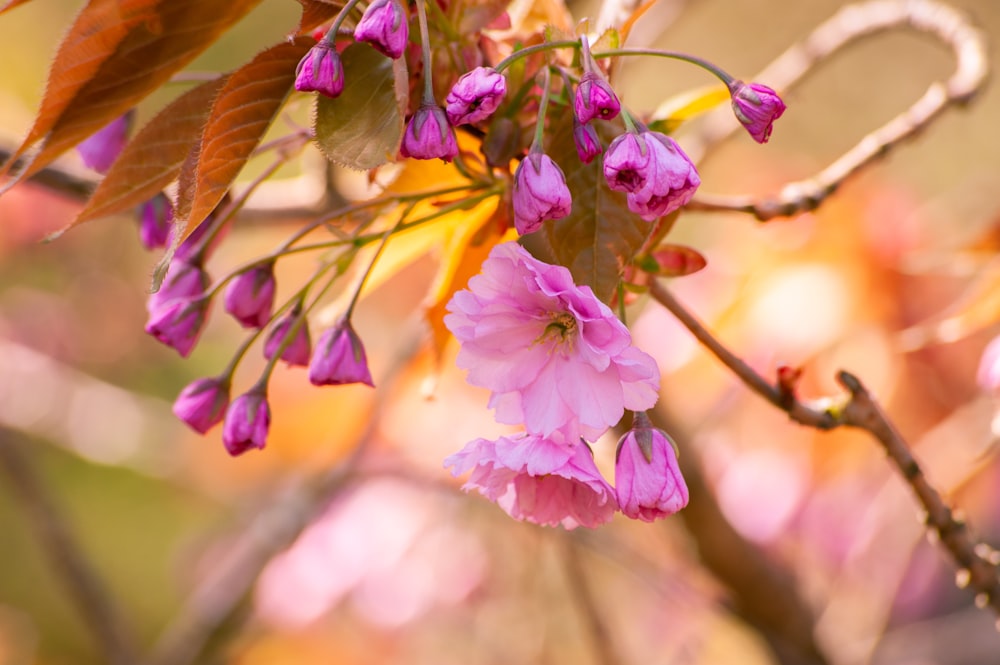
[
  {"x": 429, "y": 136},
  {"x": 339, "y": 358},
  {"x": 299, "y": 348},
  {"x": 540, "y": 193},
  {"x": 178, "y": 323},
  {"x": 384, "y": 26},
  {"x": 671, "y": 179},
  {"x": 648, "y": 482},
  {"x": 247, "y": 422},
  {"x": 475, "y": 96},
  {"x": 203, "y": 403},
  {"x": 250, "y": 296},
  {"x": 320, "y": 70},
  {"x": 588, "y": 145},
  {"x": 595, "y": 99},
  {"x": 626, "y": 163},
  {"x": 155, "y": 217},
  {"x": 101, "y": 149},
  {"x": 183, "y": 281},
  {"x": 756, "y": 107}
]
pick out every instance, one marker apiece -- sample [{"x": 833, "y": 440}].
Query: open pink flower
[
  {"x": 538, "y": 479},
  {"x": 555, "y": 357}
]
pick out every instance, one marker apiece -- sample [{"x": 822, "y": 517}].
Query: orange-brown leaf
[
  {"x": 154, "y": 157},
  {"x": 11, "y": 4},
  {"x": 116, "y": 53},
  {"x": 317, "y": 12},
  {"x": 240, "y": 115}
]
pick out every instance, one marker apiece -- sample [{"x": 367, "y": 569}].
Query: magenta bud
[
  {"x": 588, "y": 145},
  {"x": 101, "y": 149},
  {"x": 429, "y": 136},
  {"x": 475, "y": 96},
  {"x": 155, "y": 217},
  {"x": 626, "y": 163},
  {"x": 183, "y": 281},
  {"x": 298, "y": 349},
  {"x": 339, "y": 358},
  {"x": 320, "y": 70},
  {"x": 540, "y": 193},
  {"x": 246, "y": 423},
  {"x": 595, "y": 99},
  {"x": 671, "y": 179},
  {"x": 203, "y": 403},
  {"x": 648, "y": 481},
  {"x": 178, "y": 323},
  {"x": 756, "y": 107},
  {"x": 385, "y": 27},
  {"x": 250, "y": 296}
]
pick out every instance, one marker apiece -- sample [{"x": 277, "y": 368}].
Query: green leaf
[
  {"x": 363, "y": 127},
  {"x": 601, "y": 235}
]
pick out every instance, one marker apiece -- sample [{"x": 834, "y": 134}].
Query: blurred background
[{"x": 278, "y": 557}]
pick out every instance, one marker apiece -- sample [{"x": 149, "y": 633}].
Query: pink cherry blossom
[
  {"x": 538, "y": 479},
  {"x": 555, "y": 357}
]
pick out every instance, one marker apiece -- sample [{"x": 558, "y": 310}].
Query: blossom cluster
[
  {"x": 556, "y": 359},
  {"x": 560, "y": 363}
]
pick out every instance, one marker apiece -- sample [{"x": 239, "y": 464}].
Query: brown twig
[
  {"x": 84, "y": 586},
  {"x": 863, "y": 412},
  {"x": 583, "y": 595},
  {"x": 852, "y": 22}
]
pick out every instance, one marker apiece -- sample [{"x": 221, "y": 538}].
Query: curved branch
[
  {"x": 852, "y": 22},
  {"x": 861, "y": 411}
]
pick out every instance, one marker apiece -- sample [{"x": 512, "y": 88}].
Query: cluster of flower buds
[{"x": 557, "y": 360}]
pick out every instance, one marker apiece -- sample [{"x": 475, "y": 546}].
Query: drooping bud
[
  {"x": 385, "y": 27},
  {"x": 540, "y": 193},
  {"x": 339, "y": 358},
  {"x": 203, "y": 403},
  {"x": 247, "y": 422},
  {"x": 648, "y": 481},
  {"x": 320, "y": 70},
  {"x": 101, "y": 149},
  {"x": 588, "y": 145},
  {"x": 155, "y": 217},
  {"x": 429, "y": 135},
  {"x": 298, "y": 349},
  {"x": 183, "y": 281},
  {"x": 178, "y": 323},
  {"x": 626, "y": 163},
  {"x": 595, "y": 99},
  {"x": 475, "y": 96},
  {"x": 671, "y": 179},
  {"x": 756, "y": 107},
  {"x": 250, "y": 296}
]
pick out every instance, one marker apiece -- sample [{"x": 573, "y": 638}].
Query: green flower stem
[
  {"x": 331, "y": 35},
  {"x": 371, "y": 265},
  {"x": 586, "y": 59},
  {"x": 425, "y": 47},
  {"x": 537, "y": 48},
  {"x": 674, "y": 55},
  {"x": 543, "y": 106}
]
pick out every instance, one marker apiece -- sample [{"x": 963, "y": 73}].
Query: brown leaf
[
  {"x": 11, "y": 4},
  {"x": 678, "y": 260},
  {"x": 116, "y": 53},
  {"x": 317, "y": 12},
  {"x": 154, "y": 157},
  {"x": 239, "y": 117}
]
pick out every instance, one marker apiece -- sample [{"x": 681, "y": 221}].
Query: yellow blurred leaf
[{"x": 672, "y": 113}]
